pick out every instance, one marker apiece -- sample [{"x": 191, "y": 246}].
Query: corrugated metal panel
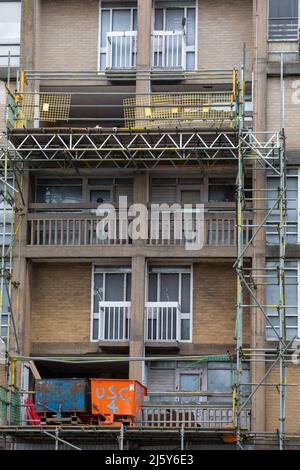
[
  {"x": 165, "y": 193},
  {"x": 161, "y": 380}
]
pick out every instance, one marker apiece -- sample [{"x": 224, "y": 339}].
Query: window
[
  {"x": 221, "y": 377},
  {"x": 111, "y": 303},
  {"x": 77, "y": 190},
  {"x": 59, "y": 191},
  {"x": 181, "y": 190},
  {"x": 283, "y": 19},
  {"x": 10, "y": 21},
  {"x": 221, "y": 190},
  {"x": 272, "y": 298},
  {"x": 179, "y": 20},
  {"x": 118, "y": 27},
  {"x": 292, "y": 205},
  {"x": 171, "y": 284}
]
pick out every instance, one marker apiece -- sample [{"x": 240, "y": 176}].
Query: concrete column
[
  {"x": 137, "y": 343},
  {"x": 30, "y": 21},
  {"x": 20, "y": 293},
  {"x": 258, "y": 369},
  {"x": 137, "y": 346},
  {"x": 144, "y": 44}
]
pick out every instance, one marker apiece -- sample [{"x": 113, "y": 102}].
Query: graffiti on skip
[{"x": 110, "y": 393}]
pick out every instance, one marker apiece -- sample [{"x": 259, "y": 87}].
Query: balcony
[
  {"x": 80, "y": 229},
  {"x": 121, "y": 50},
  {"x": 168, "y": 50},
  {"x": 111, "y": 322},
  {"x": 203, "y": 415},
  {"x": 162, "y": 321}
]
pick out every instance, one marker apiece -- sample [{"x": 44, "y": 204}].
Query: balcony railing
[
  {"x": 207, "y": 416},
  {"x": 80, "y": 229},
  {"x": 168, "y": 50},
  {"x": 162, "y": 321},
  {"x": 111, "y": 322},
  {"x": 10, "y": 54},
  {"x": 121, "y": 49},
  {"x": 283, "y": 29}
]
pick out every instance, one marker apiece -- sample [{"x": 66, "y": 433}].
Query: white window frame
[
  {"x": 282, "y": 39},
  {"x": 103, "y": 49},
  {"x": 268, "y": 340},
  {"x": 183, "y": 316},
  {"x": 107, "y": 270},
  {"x": 185, "y": 7}
]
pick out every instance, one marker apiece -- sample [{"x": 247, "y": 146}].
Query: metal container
[
  {"x": 117, "y": 400},
  {"x": 62, "y": 396}
]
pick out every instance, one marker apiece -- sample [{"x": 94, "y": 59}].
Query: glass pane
[
  {"x": 158, "y": 20},
  {"x": 152, "y": 288},
  {"x": 174, "y": 17},
  {"x": 185, "y": 293},
  {"x": 128, "y": 287},
  {"x": 105, "y": 26},
  {"x": 114, "y": 287},
  {"x": 59, "y": 194},
  {"x": 221, "y": 192},
  {"x": 98, "y": 291},
  {"x": 169, "y": 288},
  {"x": 121, "y": 20},
  {"x": 135, "y": 20},
  {"x": 283, "y": 8},
  {"x": 190, "y": 60},
  {"x": 185, "y": 330},
  {"x": 219, "y": 381},
  {"x": 189, "y": 382},
  {"x": 190, "y": 196},
  {"x": 191, "y": 27},
  {"x": 100, "y": 195}
]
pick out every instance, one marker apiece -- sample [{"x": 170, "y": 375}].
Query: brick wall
[
  {"x": 224, "y": 26},
  {"x": 292, "y": 110},
  {"x": 293, "y": 401},
  {"x": 214, "y": 305},
  {"x": 69, "y": 35},
  {"x": 61, "y": 299}
]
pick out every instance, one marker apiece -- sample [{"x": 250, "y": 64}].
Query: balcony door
[
  {"x": 169, "y": 304},
  {"x": 191, "y": 380},
  {"x": 111, "y": 304},
  {"x": 118, "y": 32},
  {"x": 174, "y": 37}
]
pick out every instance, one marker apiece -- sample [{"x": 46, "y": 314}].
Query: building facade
[{"x": 188, "y": 104}]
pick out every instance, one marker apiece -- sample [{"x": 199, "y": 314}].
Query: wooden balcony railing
[
  {"x": 80, "y": 229},
  {"x": 202, "y": 415}
]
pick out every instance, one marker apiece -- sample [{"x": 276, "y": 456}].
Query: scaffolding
[{"x": 152, "y": 136}]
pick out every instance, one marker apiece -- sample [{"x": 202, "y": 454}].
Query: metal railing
[
  {"x": 162, "y": 321},
  {"x": 168, "y": 49},
  {"x": 121, "y": 47},
  {"x": 81, "y": 230},
  {"x": 201, "y": 415},
  {"x": 10, "y": 54},
  {"x": 112, "y": 321},
  {"x": 283, "y": 28}
]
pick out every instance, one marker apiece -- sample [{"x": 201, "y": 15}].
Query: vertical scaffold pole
[{"x": 240, "y": 256}]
